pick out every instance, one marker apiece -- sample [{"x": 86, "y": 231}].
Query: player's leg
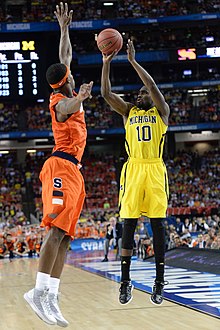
[
  {"x": 126, "y": 287},
  {"x": 38, "y": 297},
  {"x": 159, "y": 253},
  {"x": 75, "y": 205},
  {"x": 55, "y": 281}
]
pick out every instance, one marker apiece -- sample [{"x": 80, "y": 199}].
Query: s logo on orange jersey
[{"x": 57, "y": 183}]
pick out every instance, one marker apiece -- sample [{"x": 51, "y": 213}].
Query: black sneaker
[
  {"x": 105, "y": 259},
  {"x": 157, "y": 295},
  {"x": 125, "y": 295}
]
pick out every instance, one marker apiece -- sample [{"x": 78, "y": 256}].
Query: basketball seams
[{"x": 113, "y": 37}]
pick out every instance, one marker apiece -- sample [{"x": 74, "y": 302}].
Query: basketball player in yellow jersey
[{"x": 144, "y": 184}]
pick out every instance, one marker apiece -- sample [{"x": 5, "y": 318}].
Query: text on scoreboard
[{"x": 20, "y": 69}]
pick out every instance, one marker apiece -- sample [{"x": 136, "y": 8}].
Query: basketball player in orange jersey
[
  {"x": 63, "y": 190},
  {"x": 144, "y": 184}
]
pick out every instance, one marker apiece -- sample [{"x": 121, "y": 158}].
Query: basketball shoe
[
  {"x": 157, "y": 294},
  {"x": 125, "y": 292},
  {"x": 105, "y": 259},
  {"x": 53, "y": 301},
  {"x": 38, "y": 300}
]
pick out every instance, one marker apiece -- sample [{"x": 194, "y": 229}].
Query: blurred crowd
[
  {"x": 98, "y": 114},
  {"x": 195, "y": 232},
  {"x": 193, "y": 180},
  {"x": 43, "y": 10}
]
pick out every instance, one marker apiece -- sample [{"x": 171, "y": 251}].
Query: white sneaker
[
  {"x": 53, "y": 301},
  {"x": 38, "y": 300}
]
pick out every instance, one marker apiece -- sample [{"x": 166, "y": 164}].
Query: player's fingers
[
  {"x": 71, "y": 15},
  {"x": 61, "y": 8},
  {"x": 66, "y": 8},
  {"x": 58, "y": 9}
]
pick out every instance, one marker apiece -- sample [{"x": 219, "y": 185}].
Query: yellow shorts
[{"x": 143, "y": 189}]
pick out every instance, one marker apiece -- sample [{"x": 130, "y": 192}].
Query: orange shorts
[{"x": 63, "y": 194}]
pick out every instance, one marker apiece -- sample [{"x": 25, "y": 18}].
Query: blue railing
[
  {"x": 102, "y": 24},
  {"x": 109, "y": 131}
]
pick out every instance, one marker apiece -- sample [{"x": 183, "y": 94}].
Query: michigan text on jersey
[{"x": 143, "y": 119}]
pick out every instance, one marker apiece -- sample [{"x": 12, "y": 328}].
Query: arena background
[{"x": 179, "y": 44}]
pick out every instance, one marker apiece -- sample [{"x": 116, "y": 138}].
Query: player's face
[
  {"x": 69, "y": 86},
  {"x": 143, "y": 99}
]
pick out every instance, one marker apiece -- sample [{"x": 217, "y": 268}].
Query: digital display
[
  {"x": 184, "y": 54},
  {"x": 211, "y": 52},
  {"x": 187, "y": 72},
  {"x": 198, "y": 53},
  {"x": 22, "y": 70}
]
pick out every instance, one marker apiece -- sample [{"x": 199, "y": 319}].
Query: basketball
[{"x": 109, "y": 40}]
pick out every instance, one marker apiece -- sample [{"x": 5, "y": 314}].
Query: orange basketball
[{"x": 109, "y": 40}]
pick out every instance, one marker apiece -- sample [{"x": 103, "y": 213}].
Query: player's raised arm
[
  {"x": 71, "y": 105},
  {"x": 115, "y": 101},
  {"x": 64, "y": 19},
  {"x": 156, "y": 96}
]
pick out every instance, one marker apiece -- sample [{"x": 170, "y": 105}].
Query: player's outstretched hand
[
  {"x": 108, "y": 58},
  {"x": 130, "y": 51},
  {"x": 64, "y": 18},
  {"x": 85, "y": 91}
]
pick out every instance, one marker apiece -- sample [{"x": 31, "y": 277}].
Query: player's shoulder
[{"x": 56, "y": 98}]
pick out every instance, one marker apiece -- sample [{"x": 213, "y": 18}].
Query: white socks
[
  {"x": 44, "y": 281},
  {"x": 54, "y": 285}
]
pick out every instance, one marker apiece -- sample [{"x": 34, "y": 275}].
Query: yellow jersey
[{"x": 145, "y": 133}]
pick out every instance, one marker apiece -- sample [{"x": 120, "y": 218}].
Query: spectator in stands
[
  {"x": 216, "y": 243},
  {"x": 9, "y": 242},
  {"x": 63, "y": 189},
  {"x": 180, "y": 229},
  {"x": 21, "y": 247},
  {"x": 141, "y": 234},
  {"x": 106, "y": 204},
  {"x": 140, "y": 195},
  {"x": 193, "y": 227},
  {"x": 147, "y": 249},
  {"x": 3, "y": 248},
  {"x": 202, "y": 225},
  {"x": 113, "y": 237},
  {"x": 186, "y": 224}
]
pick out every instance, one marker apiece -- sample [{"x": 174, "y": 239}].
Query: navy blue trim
[
  {"x": 57, "y": 193},
  {"x": 65, "y": 155},
  {"x": 126, "y": 142},
  {"x": 161, "y": 141},
  {"x": 125, "y": 173}
]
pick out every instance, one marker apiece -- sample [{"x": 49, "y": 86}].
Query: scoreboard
[
  {"x": 22, "y": 69},
  {"x": 189, "y": 54}
]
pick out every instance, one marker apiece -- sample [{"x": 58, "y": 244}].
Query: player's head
[
  {"x": 143, "y": 98},
  {"x": 59, "y": 77}
]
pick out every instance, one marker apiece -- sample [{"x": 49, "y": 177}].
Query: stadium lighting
[
  {"x": 4, "y": 152},
  {"x": 108, "y": 3},
  {"x": 204, "y": 90},
  {"x": 31, "y": 151}
]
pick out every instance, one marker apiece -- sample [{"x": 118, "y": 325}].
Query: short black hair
[{"x": 55, "y": 73}]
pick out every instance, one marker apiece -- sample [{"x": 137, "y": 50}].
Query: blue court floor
[{"x": 193, "y": 289}]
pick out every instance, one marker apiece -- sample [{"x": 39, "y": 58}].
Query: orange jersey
[{"x": 70, "y": 136}]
